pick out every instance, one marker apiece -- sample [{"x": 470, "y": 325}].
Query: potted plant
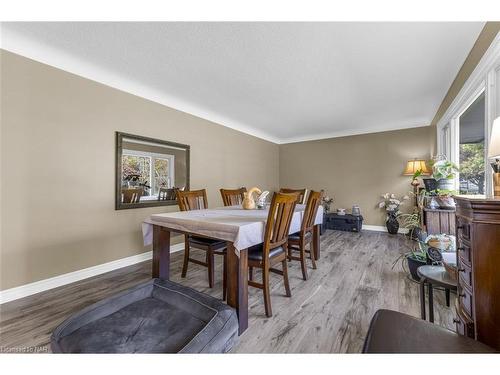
[
  {"x": 391, "y": 205},
  {"x": 415, "y": 258},
  {"x": 411, "y": 222},
  {"x": 443, "y": 174}
]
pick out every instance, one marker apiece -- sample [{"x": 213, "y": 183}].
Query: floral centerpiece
[{"x": 391, "y": 205}]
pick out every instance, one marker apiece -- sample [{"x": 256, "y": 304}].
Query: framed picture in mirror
[{"x": 149, "y": 171}]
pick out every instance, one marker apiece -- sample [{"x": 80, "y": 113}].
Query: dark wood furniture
[
  {"x": 434, "y": 276},
  {"x": 236, "y": 265},
  {"x": 299, "y": 241},
  {"x": 233, "y": 197},
  {"x": 347, "y": 222},
  {"x": 301, "y": 194},
  {"x": 478, "y": 263},
  {"x": 274, "y": 248},
  {"x": 197, "y": 200},
  {"x": 395, "y": 332},
  {"x": 439, "y": 221}
]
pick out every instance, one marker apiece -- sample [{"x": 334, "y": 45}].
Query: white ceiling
[{"x": 283, "y": 82}]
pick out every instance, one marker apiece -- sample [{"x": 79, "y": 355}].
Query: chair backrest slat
[
  {"x": 132, "y": 195},
  {"x": 233, "y": 197},
  {"x": 192, "y": 200},
  {"x": 301, "y": 193},
  {"x": 278, "y": 221},
  {"x": 313, "y": 202},
  {"x": 167, "y": 194}
]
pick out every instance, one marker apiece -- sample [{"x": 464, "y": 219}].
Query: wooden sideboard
[{"x": 478, "y": 262}]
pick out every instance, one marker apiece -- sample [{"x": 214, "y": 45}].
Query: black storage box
[{"x": 347, "y": 222}]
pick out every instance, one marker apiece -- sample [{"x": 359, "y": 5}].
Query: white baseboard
[
  {"x": 381, "y": 228},
  {"x": 68, "y": 278}
]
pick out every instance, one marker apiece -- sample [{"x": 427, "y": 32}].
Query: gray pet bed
[{"x": 156, "y": 317}]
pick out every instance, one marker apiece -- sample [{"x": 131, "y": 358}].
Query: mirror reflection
[{"x": 150, "y": 171}]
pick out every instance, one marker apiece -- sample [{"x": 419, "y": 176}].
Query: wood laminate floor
[{"x": 329, "y": 313}]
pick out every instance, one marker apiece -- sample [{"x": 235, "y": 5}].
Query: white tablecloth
[{"x": 244, "y": 228}]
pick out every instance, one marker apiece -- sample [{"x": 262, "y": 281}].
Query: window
[
  {"x": 148, "y": 170},
  {"x": 471, "y": 160},
  {"x": 463, "y": 132}
]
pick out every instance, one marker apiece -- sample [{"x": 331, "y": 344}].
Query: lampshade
[
  {"x": 494, "y": 149},
  {"x": 415, "y": 165}
]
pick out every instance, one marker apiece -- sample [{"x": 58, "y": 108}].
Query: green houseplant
[
  {"x": 443, "y": 172},
  {"x": 414, "y": 258}
]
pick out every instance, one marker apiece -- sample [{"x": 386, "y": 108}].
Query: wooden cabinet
[
  {"x": 478, "y": 260},
  {"x": 439, "y": 221}
]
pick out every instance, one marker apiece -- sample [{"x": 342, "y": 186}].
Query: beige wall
[
  {"x": 356, "y": 169},
  {"x": 484, "y": 40},
  {"x": 58, "y": 168}
]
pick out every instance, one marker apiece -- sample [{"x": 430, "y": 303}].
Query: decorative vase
[{"x": 392, "y": 223}]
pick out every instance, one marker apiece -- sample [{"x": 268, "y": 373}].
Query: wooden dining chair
[
  {"x": 132, "y": 195},
  {"x": 274, "y": 248},
  {"x": 298, "y": 241},
  {"x": 301, "y": 193},
  {"x": 233, "y": 197},
  {"x": 167, "y": 194},
  {"x": 197, "y": 200}
]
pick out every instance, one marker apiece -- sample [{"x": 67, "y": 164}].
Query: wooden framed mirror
[{"x": 149, "y": 171}]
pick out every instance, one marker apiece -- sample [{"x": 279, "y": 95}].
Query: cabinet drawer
[
  {"x": 465, "y": 274},
  {"x": 464, "y": 251},
  {"x": 463, "y": 228},
  {"x": 465, "y": 298},
  {"x": 464, "y": 325}
]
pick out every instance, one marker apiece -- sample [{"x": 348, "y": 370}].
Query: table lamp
[
  {"x": 412, "y": 167},
  {"x": 494, "y": 153}
]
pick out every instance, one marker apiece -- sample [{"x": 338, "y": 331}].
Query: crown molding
[
  {"x": 12, "y": 42},
  {"x": 366, "y": 130}
]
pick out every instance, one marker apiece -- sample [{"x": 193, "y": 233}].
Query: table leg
[
  {"x": 237, "y": 284},
  {"x": 431, "y": 303},
  {"x": 315, "y": 241},
  {"x": 422, "y": 298},
  {"x": 161, "y": 252}
]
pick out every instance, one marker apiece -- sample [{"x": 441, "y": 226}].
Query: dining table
[{"x": 240, "y": 228}]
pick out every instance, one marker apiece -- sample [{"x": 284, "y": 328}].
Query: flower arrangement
[
  {"x": 327, "y": 201},
  {"x": 391, "y": 203}
]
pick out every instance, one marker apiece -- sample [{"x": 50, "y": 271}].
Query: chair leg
[
  {"x": 313, "y": 260},
  {"x": 285, "y": 278},
  {"x": 250, "y": 273},
  {"x": 224, "y": 278},
  {"x": 289, "y": 254},
  {"x": 267, "y": 295},
  {"x": 210, "y": 262},
  {"x": 186, "y": 257},
  {"x": 303, "y": 261}
]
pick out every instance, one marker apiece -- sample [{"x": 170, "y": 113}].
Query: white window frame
[
  {"x": 154, "y": 156},
  {"x": 484, "y": 78}
]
